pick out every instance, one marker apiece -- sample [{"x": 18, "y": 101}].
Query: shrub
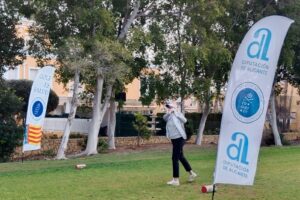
[
  {"x": 10, "y": 133},
  {"x": 76, "y": 135},
  {"x": 83, "y": 143},
  {"x": 188, "y": 130},
  {"x": 141, "y": 126},
  {"x": 54, "y": 136},
  {"x": 102, "y": 145},
  {"x": 10, "y": 137},
  {"x": 48, "y": 153}
]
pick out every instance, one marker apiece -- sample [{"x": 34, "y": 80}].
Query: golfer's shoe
[
  {"x": 173, "y": 182},
  {"x": 192, "y": 176}
]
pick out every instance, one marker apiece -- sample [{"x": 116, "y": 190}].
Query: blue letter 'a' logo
[
  {"x": 259, "y": 48},
  {"x": 239, "y": 150}
]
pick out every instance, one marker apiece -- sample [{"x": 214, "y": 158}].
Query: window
[
  {"x": 32, "y": 73},
  {"x": 11, "y": 74}
]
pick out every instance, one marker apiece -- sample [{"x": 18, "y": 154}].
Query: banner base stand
[{"x": 209, "y": 189}]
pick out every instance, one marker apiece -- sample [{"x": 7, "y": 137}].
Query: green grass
[{"x": 143, "y": 176}]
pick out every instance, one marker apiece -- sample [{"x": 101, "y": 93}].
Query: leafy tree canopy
[{"x": 11, "y": 44}]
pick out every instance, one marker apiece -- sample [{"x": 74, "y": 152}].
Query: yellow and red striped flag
[{"x": 34, "y": 134}]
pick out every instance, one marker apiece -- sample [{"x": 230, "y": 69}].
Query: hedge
[
  {"x": 212, "y": 125},
  {"x": 125, "y": 128}
]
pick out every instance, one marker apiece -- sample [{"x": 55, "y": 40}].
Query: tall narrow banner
[
  {"x": 37, "y": 106},
  {"x": 246, "y": 100}
]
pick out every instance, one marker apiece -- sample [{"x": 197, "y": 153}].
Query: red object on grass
[
  {"x": 207, "y": 188},
  {"x": 203, "y": 189}
]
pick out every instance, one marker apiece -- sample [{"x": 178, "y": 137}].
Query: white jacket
[{"x": 179, "y": 121}]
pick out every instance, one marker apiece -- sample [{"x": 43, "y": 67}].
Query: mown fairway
[{"x": 143, "y": 176}]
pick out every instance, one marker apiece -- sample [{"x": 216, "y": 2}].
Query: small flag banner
[{"x": 34, "y": 134}]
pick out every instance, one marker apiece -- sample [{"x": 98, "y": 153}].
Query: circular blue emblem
[
  {"x": 37, "y": 108},
  {"x": 247, "y": 102}
]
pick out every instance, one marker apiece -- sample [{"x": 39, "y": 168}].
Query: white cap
[{"x": 169, "y": 103}]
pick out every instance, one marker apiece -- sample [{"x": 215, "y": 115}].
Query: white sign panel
[
  {"x": 37, "y": 106},
  {"x": 246, "y": 100}
]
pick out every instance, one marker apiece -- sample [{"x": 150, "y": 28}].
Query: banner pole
[
  {"x": 24, "y": 135},
  {"x": 213, "y": 193}
]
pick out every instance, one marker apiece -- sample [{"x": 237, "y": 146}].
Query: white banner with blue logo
[
  {"x": 246, "y": 101},
  {"x": 37, "y": 106}
]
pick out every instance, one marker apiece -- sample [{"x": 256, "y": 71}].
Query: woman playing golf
[{"x": 176, "y": 133}]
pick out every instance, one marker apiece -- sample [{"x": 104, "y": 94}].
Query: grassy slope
[{"x": 142, "y": 175}]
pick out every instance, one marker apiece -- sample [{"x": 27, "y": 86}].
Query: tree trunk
[
  {"x": 289, "y": 110},
  {"x": 216, "y": 104},
  {"x": 285, "y": 106},
  {"x": 74, "y": 104},
  {"x": 98, "y": 114},
  {"x": 129, "y": 21},
  {"x": 273, "y": 121},
  {"x": 112, "y": 114},
  {"x": 111, "y": 125},
  {"x": 202, "y": 124},
  {"x": 182, "y": 110},
  {"x": 95, "y": 123},
  {"x": 138, "y": 139}
]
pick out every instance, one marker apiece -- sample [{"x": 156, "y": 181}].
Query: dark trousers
[{"x": 178, "y": 155}]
